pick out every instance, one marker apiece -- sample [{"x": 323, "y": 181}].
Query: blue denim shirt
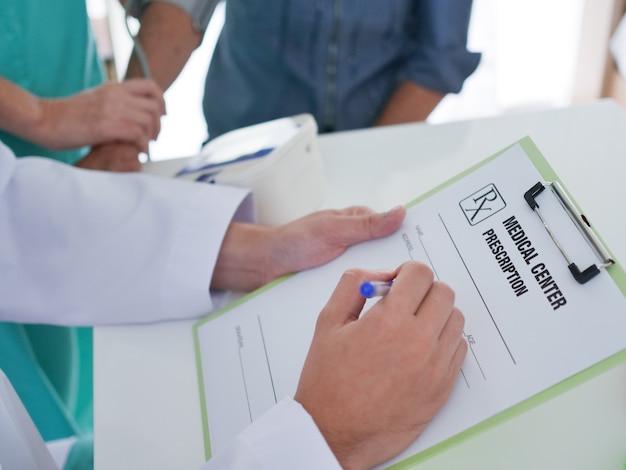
[{"x": 339, "y": 60}]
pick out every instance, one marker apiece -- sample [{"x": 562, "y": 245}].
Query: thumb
[
  {"x": 366, "y": 224},
  {"x": 346, "y": 302},
  {"x": 383, "y": 224}
]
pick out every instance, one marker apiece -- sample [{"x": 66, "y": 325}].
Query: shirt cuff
[
  {"x": 442, "y": 69},
  {"x": 285, "y": 437},
  {"x": 191, "y": 265}
]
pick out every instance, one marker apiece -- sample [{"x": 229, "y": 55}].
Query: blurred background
[{"x": 536, "y": 54}]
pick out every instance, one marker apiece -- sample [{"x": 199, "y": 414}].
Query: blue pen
[{"x": 375, "y": 288}]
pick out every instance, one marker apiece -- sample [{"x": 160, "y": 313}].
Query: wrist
[
  {"x": 346, "y": 452},
  {"x": 33, "y": 124},
  {"x": 22, "y": 113},
  {"x": 45, "y": 123},
  {"x": 243, "y": 262}
]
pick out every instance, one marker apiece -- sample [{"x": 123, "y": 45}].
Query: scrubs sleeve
[{"x": 437, "y": 56}]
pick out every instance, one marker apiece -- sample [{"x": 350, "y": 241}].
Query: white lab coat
[
  {"x": 81, "y": 247},
  {"x": 285, "y": 437}
]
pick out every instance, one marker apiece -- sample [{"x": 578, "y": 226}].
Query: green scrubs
[{"x": 48, "y": 49}]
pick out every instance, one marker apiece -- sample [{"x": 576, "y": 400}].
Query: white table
[{"x": 147, "y": 406}]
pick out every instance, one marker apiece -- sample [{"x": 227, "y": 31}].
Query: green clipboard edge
[
  {"x": 616, "y": 272},
  {"x": 196, "y": 340}
]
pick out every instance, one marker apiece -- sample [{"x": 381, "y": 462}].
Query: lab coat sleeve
[
  {"x": 82, "y": 247},
  {"x": 285, "y": 437}
]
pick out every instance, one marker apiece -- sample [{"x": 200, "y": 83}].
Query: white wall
[{"x": 530, "y": 50}]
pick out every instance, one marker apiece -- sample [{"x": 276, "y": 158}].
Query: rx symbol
[{"x": 482, "y": 204}]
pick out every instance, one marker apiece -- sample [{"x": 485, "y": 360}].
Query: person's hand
[
  {"x": 129, "y": 111},
  {"x": 253, "y": 255},
  {"x": 322, "y": 236},
  {"x": 112, "y": 157},
  {"x": 373, "y": 383}
]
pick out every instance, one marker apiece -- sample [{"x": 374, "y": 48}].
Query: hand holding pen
[
  {"x": 404, "y": 353},
  {"x": 369, "y": 289}
]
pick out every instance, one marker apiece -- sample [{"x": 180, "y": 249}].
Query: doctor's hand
[
  {"x": 129, "y": 111},
  {"x": 372, "y": 384},
  {"x": 253, "y": 255}
]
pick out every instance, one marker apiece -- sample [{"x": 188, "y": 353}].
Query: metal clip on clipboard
[{"x": 581, "y": 223}]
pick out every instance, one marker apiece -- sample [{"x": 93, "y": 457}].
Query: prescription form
[{"x": 528, "y": 323}]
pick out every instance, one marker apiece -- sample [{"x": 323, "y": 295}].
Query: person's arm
[
  {"x": 372, "y": 381},
  {"x": 95, "y": 248},
  {"x": 409, "y": 103},
  {"x": 91, "y": 248},
  {"x": 168, "y": 36},
  {"x": 253, "y": 255},
  {"x": 129, "y": 112},
  {"x": 437, "y": 63}
]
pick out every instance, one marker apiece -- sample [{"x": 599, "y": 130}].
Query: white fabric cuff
[
  {"x": 285, "y": 437},
  {"x": 203, "y": 227}
]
